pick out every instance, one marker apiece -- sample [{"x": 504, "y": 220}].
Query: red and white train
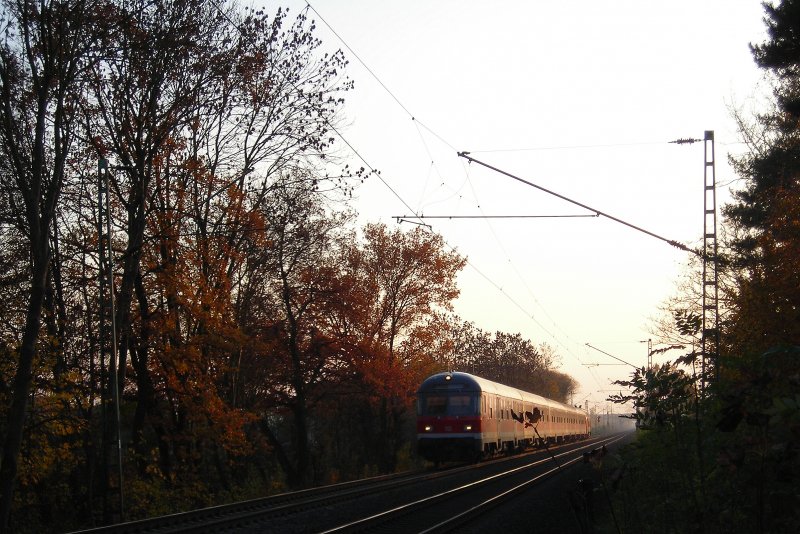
[{"x": 464, "y": 417}]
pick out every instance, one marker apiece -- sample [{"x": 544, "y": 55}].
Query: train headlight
[
  {"x": 428, "y": 428},
  {"x": 467, "y": 428}
]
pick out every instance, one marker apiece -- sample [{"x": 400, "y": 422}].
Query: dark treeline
[
  {"x": 264, "y": 342},
  {"x": 508, "y": 358},
  {"x": 721, "y": 451}
]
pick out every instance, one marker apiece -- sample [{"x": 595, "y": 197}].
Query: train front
[{"x": 449, "y": 417}]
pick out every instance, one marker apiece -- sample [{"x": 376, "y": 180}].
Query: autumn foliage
[{"x": 263, "y": 341}]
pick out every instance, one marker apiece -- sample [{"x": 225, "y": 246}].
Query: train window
[
  {"x": 449, "y": 404},
  {"x": 461, "y": 405},
  {"x": 434, "y": 405}
]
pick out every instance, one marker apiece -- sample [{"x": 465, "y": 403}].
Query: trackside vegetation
[
  {"x": 264, "y": 341},
  {"x": 726, "y": 457}
]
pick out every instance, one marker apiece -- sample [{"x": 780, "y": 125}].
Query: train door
[{"x": 489, "y": 431}]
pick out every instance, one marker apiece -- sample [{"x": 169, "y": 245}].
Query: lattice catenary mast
[{"x": 710, "y": 339}]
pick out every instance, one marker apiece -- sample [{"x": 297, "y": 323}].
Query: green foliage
[
  {"x": 730, "y": 462},
  {"x": 757, "y": 420},
  {"x": 687, "y": 322},
  {"x": 651, "y": 486},
  {"x": 661, "y": 395},
  {"x": 735, "y": 468}
]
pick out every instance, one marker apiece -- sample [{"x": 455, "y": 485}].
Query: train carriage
[{"x": 465, "y": 417}]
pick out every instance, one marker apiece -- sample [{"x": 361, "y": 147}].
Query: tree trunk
[{"x": 22, "y": 387}]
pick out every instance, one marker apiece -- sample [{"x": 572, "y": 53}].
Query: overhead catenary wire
[
  {"x": 421, "y": 216},
  {"x": 680, "y": 141},
  {"x": 372, "y": 170},
  {"x": 377, "y": 79},
  {"x": 389, "y": 92},
  {"x": 672, "y": 242},
  {"x": 565, "y": 147},
  {"x": 527, "y": 287},
  {"x": 611, "y": 356},
  {"x": 417, "y": 218},
  {"x": 397, "y": 195}
]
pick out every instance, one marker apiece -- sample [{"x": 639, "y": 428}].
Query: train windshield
[{"x": 448, "y": 404}]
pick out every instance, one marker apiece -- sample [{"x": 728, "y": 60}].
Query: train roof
[{"x": 458, "y": 381}]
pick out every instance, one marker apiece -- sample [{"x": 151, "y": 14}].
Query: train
[{"x": 461, "y": 416}]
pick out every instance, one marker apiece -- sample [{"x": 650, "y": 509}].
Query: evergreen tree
[{"x": 763, "y": 218}]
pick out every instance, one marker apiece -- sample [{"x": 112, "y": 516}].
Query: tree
[
  {"x": 410, "y": 274},
  {"x": 780, "y": 53},
  {"x": 404, "y": 278},
  {"x": 661, "y": 395},
  {"x": 740, "y": 472},
  {"x": 506, "y": 358},
  {"x": 202, "y": 109},
  {"x": 298, "y": 354},
  {"x": 47, "y": 48},
  {"x": 763, "y": 217}
]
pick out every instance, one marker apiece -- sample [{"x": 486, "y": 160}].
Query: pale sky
[{"x": 579, "y": 97}]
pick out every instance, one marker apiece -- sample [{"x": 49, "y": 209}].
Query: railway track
[
  {"x": 231, "y": 516},
  {"x": 447, "y": 511},
  {"x": 413, "y": 502}
]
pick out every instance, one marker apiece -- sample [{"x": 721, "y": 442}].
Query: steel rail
[
  {"x": 372, "y": 521},
  {"x": 231, "y": 514},
  {"x": 454, "y": 522},
  {"x": 247, "y": 513}
]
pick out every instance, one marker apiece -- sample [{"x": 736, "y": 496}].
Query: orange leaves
[
  {"x": 767, "y": 304},
  {"x": 411, "y": 275},
  {"x": 404, "y": 278}
]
